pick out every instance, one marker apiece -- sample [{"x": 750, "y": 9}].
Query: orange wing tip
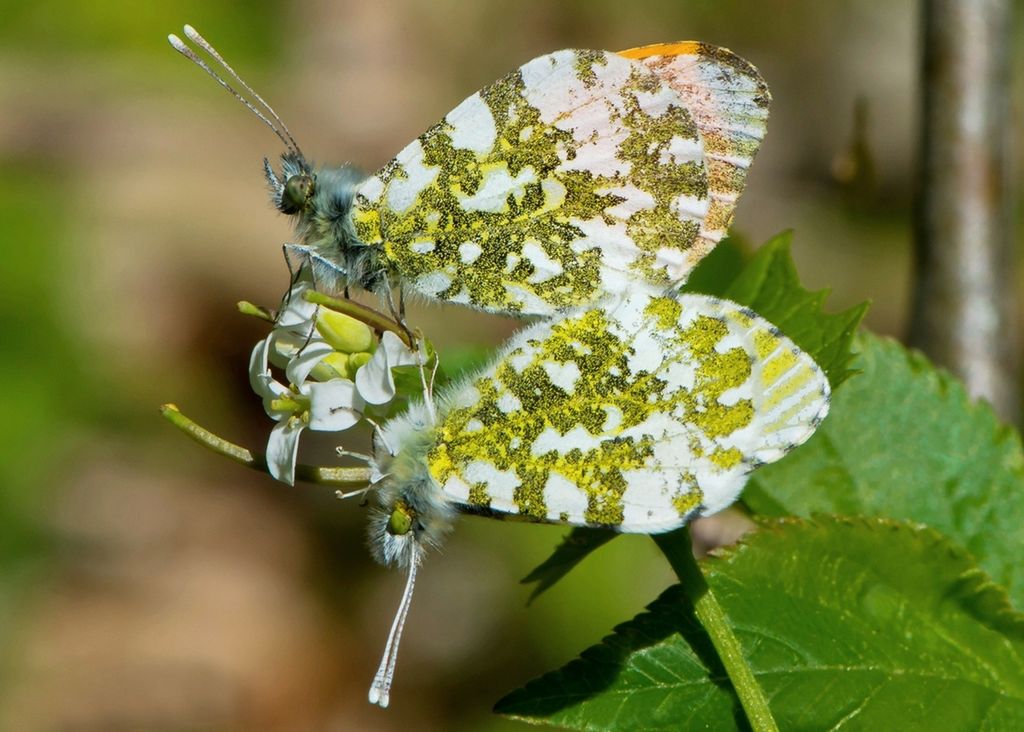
[
  {"x": 679, "y": 48},
  {"x": 706, "y": 51}
]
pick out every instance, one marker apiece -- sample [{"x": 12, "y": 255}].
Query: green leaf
[
  {"x": 658, "y": 671},
  {"x": 865, "y": 623},
  {"x": 716, "y": 271},
  {"x": 575, "y": 546},
  {"x": 458, "y": 362},
  {"x": 905, "y": 440},
  {"x": 769, "y": 286}
]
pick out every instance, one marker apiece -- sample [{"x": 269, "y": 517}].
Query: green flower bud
[
  {"x": 339, "y": 362},
  {"x": 356, "y": 360},
  {"x": 334, "y": 365},
  {"x": 344, "y": 333}
]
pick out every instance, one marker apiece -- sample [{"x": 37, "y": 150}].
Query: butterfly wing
[
  {"x": 728, "y": 100},
  {"x": 568, "y": 179},
  {"x": 635, "y": 417}
]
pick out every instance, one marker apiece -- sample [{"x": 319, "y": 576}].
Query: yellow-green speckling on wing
[
  {"x": 562, "y": 182},
  {"x": 634, "y": 417}
]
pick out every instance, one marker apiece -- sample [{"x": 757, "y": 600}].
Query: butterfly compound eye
[
  {"x": 298, "y": 189},
  {"x": 401, "y": 519}
]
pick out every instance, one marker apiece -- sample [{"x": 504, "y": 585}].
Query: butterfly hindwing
[
  {"x": 568, "y": 179},
  {"x": 636, "y": 416}
]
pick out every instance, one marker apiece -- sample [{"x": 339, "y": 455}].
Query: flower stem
[
  {"x": 343, "y": 477},
  {"x": 373, "y": 318},
  {"x": 678, "y": 549}
]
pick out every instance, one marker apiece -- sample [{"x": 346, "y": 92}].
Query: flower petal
[
  {"x": 334, "y": 405},
  {"x": 284, "y": 345},
  {"x": 306, "y": 360},
  {"x": 374, "y": 380},
  {"x": 282, "y": 448},
  {"x": 399, "y": 354},
  {"x": 297, "y": 310},
  {"x": 259, "y": 374},
  {"x": 258, "y": 365}
]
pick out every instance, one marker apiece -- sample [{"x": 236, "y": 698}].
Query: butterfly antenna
[
  {"x": 277, "y": 125},
  {"x": 380, "y": 689},
  {"x": 193, "y": 35},
  {"x": 378, "y": 433},
  {"x": 352, "y": 494},
  {"x": 360, "y": 456}
]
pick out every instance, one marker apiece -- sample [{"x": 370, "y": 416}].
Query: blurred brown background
[{"x": 145, "y": 584}]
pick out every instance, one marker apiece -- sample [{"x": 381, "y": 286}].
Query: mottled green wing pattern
[
  {"x": 728, "y": 100},
  {"x": 636, "y": 416},
  {"x": 567, "y": 180}
]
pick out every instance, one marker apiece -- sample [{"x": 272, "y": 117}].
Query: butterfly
[
  {"x": 563, "y": 182},
  {"x": 637, "y": 416},
  {"x": 583, "y": 188}
]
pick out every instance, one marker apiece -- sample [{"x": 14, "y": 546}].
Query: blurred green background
[{"x": 145, "y": 584}]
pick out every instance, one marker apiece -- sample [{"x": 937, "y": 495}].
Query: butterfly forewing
[
  {"x": 565, "y": 181},
  {"x": 637, "y": 416},
  {"x": 728, "y": 100}
]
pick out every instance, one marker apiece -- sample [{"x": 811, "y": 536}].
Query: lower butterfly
[
  {"x": 636, "y": 417},
  {"x": 567, "y": 180}
]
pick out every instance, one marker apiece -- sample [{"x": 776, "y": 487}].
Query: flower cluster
[{"x": 336, "y": 371}]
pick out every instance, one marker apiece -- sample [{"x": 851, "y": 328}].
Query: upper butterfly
[{"x": 557, "y": 185}]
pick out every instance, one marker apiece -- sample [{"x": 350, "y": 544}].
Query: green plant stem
[
  {"x": 678, "y": 549},
  {"x": 342, "y": 477},
  {"x": 373, "y": 318}
]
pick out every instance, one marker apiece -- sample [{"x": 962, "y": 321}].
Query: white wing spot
[
  {"x": 473, "y": 126},
  {"x": 469, "y": 252},
  {"x": 551, "y": 440},
  {"x": 403, "y": 191},
  {"x": 371, "y": 188},
  {"x": 509, "y": 402},
  {"x": 496, "y": 187},
  {"x": 433, "y": 283},
  {"x": 613, "y": 419},
  {"x": 563, "y": 375},
  {"x": 500, "y": 484},
  {"x": 562, "y": 496},
  {"x": 544, "y": 267},
  {"x": 681, "y": 150}
]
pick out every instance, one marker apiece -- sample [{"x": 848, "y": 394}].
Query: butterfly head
[
  {"x": 412, "y": 516},
  {"x": 292, "y": 191}
]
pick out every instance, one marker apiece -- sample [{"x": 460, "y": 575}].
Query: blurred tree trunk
[{"x": 963, "y": 308}]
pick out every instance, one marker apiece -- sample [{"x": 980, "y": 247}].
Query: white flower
[
  {"x": 318, "y": 349},
  {"x": 375, "y": 381},
  {"x": 330, "y": 406}
]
